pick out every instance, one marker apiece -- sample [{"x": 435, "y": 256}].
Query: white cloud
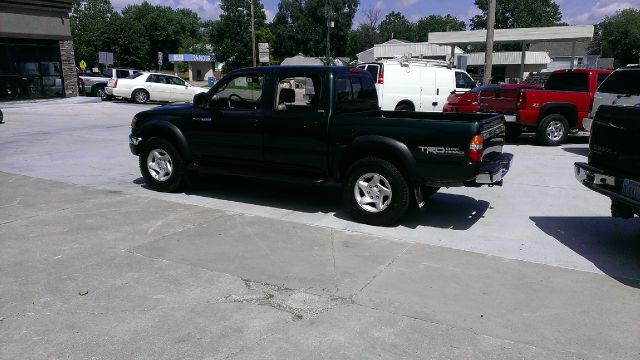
[
  {"x": 600, "y": 10},
  {"x": 269, "y": 14},
  {"x": 206, "y": 9},
  {"x": 379, "y": 5},
  {"x": 403, "y": 4}
]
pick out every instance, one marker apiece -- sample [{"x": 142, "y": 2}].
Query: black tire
[
  {"x": 153, "y": 176},
  {"x": 552, "y": 130},
  {"x": 429, "y": 191},
  {"x": 513, "y": 131},
  {"x": 140, "y": 96},
  {"x": 403, "y": 107},
  {"x": 396, "y": 204},
  {"x": 104, "y": 96},
  {"x": 98, "y": 92}
]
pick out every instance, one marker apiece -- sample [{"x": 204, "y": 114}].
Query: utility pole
[
  {"x": 328, "y": 32},
  {"x": 488, "y": 52},
  {"x": 253, "y": 35}
]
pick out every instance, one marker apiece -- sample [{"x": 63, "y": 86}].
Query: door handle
[{"x": 435, "y": 103}]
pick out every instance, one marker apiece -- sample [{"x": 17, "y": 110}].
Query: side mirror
[{"x": 200, "y": 100}]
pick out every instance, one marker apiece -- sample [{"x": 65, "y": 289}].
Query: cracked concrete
[{"x": 166, "y": 280}]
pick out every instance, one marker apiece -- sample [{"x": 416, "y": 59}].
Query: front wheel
[
  {"x": 552, "y": 130},
  {"x": 161, "y": 165},
  {"x": 376, "y": 192}
]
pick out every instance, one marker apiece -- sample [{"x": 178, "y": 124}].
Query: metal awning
[{"x": 527, "y": 35}]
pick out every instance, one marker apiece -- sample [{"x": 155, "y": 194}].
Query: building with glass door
[{"x": 36, "y": 51}]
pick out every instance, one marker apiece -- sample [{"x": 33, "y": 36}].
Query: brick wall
[{"x": 69, "y": 75}]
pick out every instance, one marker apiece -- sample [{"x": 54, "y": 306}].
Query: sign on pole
[
  {"x": 263, "y": 52},
  {"x": 105, "y": 58},
  {"x": 83, "y": 65},
  {"x": 160, "y": 58}
]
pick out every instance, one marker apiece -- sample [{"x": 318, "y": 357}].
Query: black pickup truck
[
  {"x": 319, "y": 124},
  {"x": 613, "y": 168}
]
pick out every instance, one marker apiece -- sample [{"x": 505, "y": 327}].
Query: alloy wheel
[
  {"x": 159, "y": 164},
  {"x": 555, "y": 130},
  {"x": 372, "y": 192}
]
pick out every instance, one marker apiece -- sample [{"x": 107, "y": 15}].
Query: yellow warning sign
[{"x": 83, "y": 65}]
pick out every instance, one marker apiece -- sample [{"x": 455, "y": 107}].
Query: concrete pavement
[{"x": 102, "y": 274}]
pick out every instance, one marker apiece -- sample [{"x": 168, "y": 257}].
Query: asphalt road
[{"x": 97, "y": 266}]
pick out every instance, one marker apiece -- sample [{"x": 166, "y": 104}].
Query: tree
[
  {"x": 300, "y": 26},
  {"x": 518, "y": 14},
  {"x": 231, "y": 38},
  {"x": 619, "y": 36},
  {"x": 396, "y": 26},
  {"x": 437, "y": 23},
  {"x": 165, "y": 29},
  {"x": 361, "y": 39},
  {"x": 91, "y": 29}
]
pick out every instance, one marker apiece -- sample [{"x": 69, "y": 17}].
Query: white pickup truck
[{"x": 95, "y": 85}]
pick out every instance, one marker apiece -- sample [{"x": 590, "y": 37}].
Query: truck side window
[
  {"x": 244, "y": 92},
  {"x": 578, "y": 82},
  {"x": 298, "y": 93},
  {"x": 356, "y": 93}
]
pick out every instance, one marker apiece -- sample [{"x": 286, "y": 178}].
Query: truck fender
[
  {"x": 568, "y": 110},
  {"x": 169, "y": 132},
  {"x": 378, "y": 146}
]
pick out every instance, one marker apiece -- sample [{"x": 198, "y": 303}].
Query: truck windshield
[{"x": 578, "y": 82}]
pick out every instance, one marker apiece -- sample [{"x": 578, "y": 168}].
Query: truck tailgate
[
  {"x": 502, "y": 101},
  {"x": 614, "y": 140}
]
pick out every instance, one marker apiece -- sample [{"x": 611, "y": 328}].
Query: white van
[
  {"x": 622, "y": 87},
  {"x": 416, "y": 85}
]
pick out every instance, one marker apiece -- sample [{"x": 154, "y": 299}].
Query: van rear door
[{"x": 444, "y": 85}]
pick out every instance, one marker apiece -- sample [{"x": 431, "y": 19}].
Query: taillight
[
  {"x": 380, "y": 78},
  {"x": 115, "y": 84},
  {"x": 475, "y": 149},
  {"x": 522, "y": 100}
]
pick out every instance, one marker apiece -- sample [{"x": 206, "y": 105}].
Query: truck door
[
  {"x": 295, "y": 125},
  {"x": 230, "y": 132}
]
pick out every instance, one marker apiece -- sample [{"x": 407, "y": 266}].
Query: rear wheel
[
  {"x": 161, "y": 165},
  {"x": 513, "y": 131},
  {"x": 140, "y": 96},
  {"x": 552, "y": 130},
  {"x": 99, "y": 92},
  {"x": 376, "y": 192},
  {"x": 403, "y": 107}
]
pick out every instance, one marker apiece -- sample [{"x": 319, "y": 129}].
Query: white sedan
[{"x": 143, "y": 87}]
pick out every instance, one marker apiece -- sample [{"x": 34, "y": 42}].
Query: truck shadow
[
  {"x": 582, "y": 151},
  {"x": 447, "y": 211},
  {"x": 612, "y": 245},
  {"x": 530, "y": 139}
]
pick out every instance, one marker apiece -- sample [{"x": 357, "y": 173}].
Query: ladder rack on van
[{"x": 430, "y": 62}]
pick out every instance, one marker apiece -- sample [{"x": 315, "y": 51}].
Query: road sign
[
  {"x": 263, "y": 52},
  {"x": 105, "y": 58},
  {"x": 83, "y": 65},
  {"x": 159, "y": 57}
]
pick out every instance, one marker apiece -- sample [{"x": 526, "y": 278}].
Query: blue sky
[{"x": 576, "y": 12}]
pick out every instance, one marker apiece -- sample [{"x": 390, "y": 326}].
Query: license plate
[
  {"x": 510, "y": 118},
  {"x": 631, "y": 189}
]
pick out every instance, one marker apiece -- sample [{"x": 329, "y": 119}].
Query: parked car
[
  {"x": 416, "y": 85},
  {"x": 552, "y": 112},
  {"x": 95, "y": 84},
  {"x": 612, "y": 169},
  {"x": 257, "y": 122},
  {"x": 620, "y": 88},
  {"x": 143, "y": 87},
  {"x": 468, "y": 101}
]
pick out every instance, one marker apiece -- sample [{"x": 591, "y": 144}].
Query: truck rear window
[
  {"x": 624, "y": 82},
  {"x": 578, "y": 82},
  {"x": 356, "y": 92}
]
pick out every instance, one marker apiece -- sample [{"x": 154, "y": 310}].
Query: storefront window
[{"x": 29, "y": 69}]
